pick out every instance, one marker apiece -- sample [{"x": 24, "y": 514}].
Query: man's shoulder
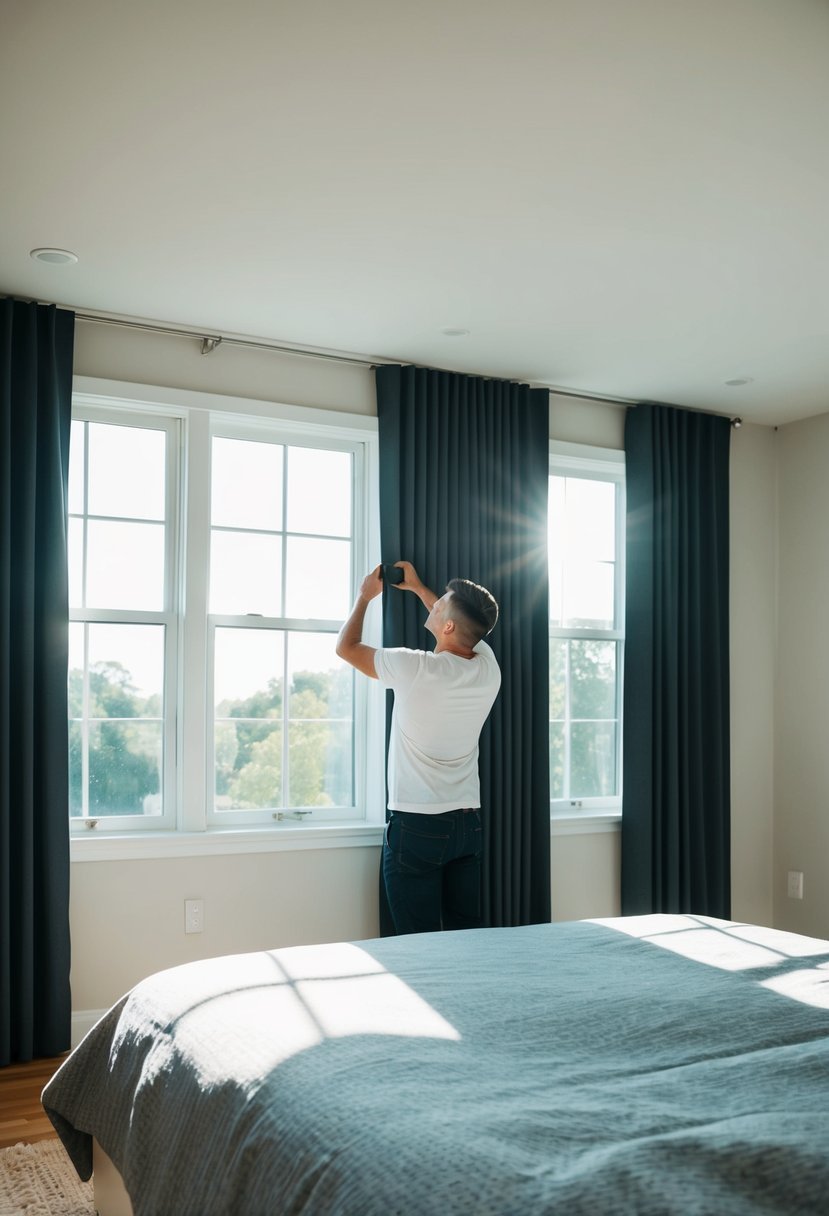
[
  {"x": 393, "y": 661},
  {"x": 485, "y": 651},
  {"x": 401, "y": 650}
]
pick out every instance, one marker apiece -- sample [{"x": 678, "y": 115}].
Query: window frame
[
  {"x": 597, "y": 464},
  {"x": 189, "y": 827}
]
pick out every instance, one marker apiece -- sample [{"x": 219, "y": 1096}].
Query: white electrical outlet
[
  {"x": 795, "y": 885},
  {"x": 193, "y": 915}
]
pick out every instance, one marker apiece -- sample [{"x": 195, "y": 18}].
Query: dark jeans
[{"x": 432, "y": 870}]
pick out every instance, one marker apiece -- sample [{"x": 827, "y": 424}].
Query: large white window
[
  {"x": 586, "y": 558},
  {"x": 213, "y": 558}
]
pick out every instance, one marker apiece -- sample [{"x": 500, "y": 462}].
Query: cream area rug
[{"x": 40, "y": 1180}]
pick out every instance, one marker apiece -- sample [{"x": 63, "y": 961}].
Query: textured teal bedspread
[{"x": 642, "y": 1065}]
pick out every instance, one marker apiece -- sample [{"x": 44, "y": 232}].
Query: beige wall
[
  {"x": 586, "y": 874},
  {"x": 127, "y": 916},
  {"x": 752, "y": 561},
  {"x": 801, "y": 791}
]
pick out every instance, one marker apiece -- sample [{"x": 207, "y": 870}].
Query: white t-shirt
[{"x": 441, "y": 701}]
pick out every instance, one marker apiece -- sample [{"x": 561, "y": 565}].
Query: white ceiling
[{"x": 619, "y": 197}]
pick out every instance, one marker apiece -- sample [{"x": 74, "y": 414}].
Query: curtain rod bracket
[{"x": 208, "y": 345}]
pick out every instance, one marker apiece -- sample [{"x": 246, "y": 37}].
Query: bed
[{"x": 647, "y": 1065}]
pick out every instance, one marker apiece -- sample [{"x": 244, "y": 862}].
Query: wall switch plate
[
  {"x": 795, "y": 884},
  {"x": 193, "y": 915}
]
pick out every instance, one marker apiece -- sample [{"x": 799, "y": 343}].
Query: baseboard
[{"x": 82, "y": 1022}]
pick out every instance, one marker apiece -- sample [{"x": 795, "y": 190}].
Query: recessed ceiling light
[
  {"x": 451, "y": 332},
  {"x": 738, "y": 380},
  {"x": 57, "y": 257}
]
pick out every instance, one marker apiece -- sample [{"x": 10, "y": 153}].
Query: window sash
[
  {"x": 167, "y": 618},
  {"x": 578, "y": 461},
  {"x": 225, "y": 429}
]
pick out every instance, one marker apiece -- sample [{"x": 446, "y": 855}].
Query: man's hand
[
  {"x": 412, "y": 582},
  {"x": 411, "y": 579},
  {"x": 372, "y": 584}
]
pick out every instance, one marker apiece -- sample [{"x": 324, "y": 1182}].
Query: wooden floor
[{"x": 22, "y": 1118}]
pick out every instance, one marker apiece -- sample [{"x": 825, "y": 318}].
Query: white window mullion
[
  {"x": 195, "y": 745},
  {"x": 85, "y": 724}
]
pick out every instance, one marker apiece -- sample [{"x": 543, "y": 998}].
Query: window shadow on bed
[
  {"x": 772, "y": 957},
  {"x": 281, "y": 1003}
]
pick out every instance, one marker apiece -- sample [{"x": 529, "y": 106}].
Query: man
[{"x": 432, "y": 845}]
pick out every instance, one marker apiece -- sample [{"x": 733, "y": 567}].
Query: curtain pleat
[
  {"x": 676, "y": 802},
  {"x": 463, "y": 493},
  {"x": 36, "y": 351}
]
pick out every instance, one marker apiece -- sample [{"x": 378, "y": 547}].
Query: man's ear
[{"x": 449, "y": 625}]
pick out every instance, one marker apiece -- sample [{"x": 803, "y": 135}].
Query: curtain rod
[{"x": 211, "y": 342}]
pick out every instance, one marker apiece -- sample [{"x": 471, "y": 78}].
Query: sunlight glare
[
  {"x": 701, "y": 939},
  {"x": 237, "y": 1017},
  {"x": 810, "y": 986}
]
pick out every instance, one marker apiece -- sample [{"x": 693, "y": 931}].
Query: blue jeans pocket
[{"x": 419, "y": 845}]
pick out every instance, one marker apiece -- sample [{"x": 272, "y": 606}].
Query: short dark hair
[{"x": 477, "y": 606}]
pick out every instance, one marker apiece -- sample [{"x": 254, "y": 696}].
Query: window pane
[
  {"x": 245, "y": 574},
  {"x": 321, "y": 748},
  {"x": 248, "y": 729},
  {"x": 246, "y": 481},
  {"x": 558, "y": 678},
  {"x": 320, "y": 684},
  {"x": 247, "y": 673},
  {"x": 319, "y": 492},
  {"x": 126, "y": 471},
  {"x": 126, "y": 664},
  {"x": 75, "y": 769},
  {"x": 556, "y": 592},
  {"x": 589, "y": 595},
  {"x": 591, "y": 519},
  {"x": 75, "y": 560},
  {"x": 318, "y": 579},
  {"x": 76, "y": 669},
  {"x": 593, "y": 760},
  {"x": 76, "y": 467},
  {"x": 320, "y": 760},
  {"x": 592, "y": 679},
  {"x": 125, "y": 565},
  {"x": 557, "y": 786},
  {"x": 248, "y": 765},
  {"x": 125, "y": 768},
  {"x": 116, "y": 682}
]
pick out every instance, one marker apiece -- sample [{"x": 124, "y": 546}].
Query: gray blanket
[{"x": 641, "y": 1065}]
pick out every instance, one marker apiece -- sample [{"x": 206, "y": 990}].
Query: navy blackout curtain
[
  {"x": 676, "y": 802},
  {"x": 35, "y": 414},
  {"x": 464, "y": 471}
]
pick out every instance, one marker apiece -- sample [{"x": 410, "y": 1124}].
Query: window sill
[
  {"x": 586, "y": 823},
  {"x": 223, "y": 841},
  {"x": 226, "y": 841}
]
